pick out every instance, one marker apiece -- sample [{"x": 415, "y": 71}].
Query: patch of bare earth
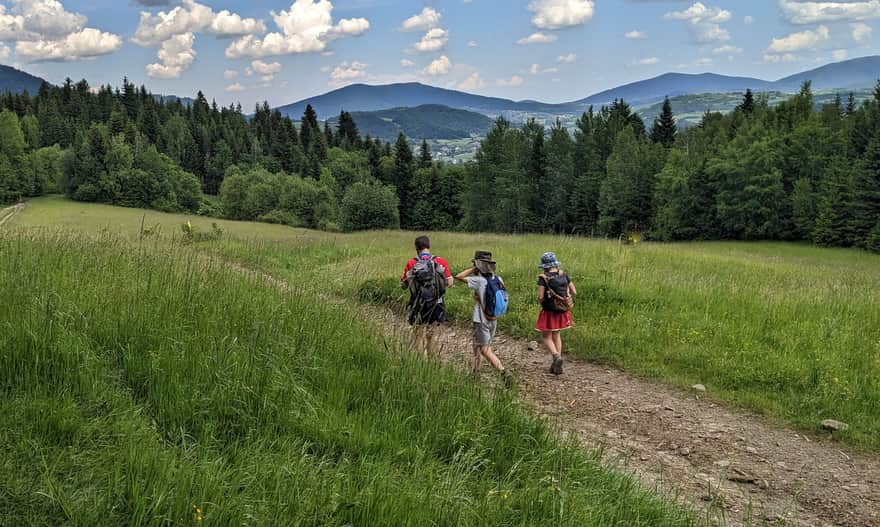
[{"x": 734, "y": 468}]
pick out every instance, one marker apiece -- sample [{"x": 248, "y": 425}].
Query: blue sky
[{"x": 550, "y": 50}]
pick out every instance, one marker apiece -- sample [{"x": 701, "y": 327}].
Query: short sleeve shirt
[{"x": 478, "y": 285}]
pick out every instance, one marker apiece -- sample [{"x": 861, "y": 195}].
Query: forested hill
[
  {"x": 366, "y": 98},
  {"x": 429, "y": 121},
  {"x": 17, "y": 81}
]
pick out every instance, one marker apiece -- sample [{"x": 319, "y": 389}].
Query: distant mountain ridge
[
  {"x": 428, "y": 121},
  {"x": 859, "y": 73},
  {"x": 17, "y": 81},
  {"x": 369, "y": 98}
]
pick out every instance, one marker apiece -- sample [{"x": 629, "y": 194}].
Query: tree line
[{"x": 790, "y": 172}]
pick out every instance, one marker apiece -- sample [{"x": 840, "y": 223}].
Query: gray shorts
[{"x": 483, "y": 332}]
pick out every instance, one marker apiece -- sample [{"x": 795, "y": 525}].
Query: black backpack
[
  {"x": 427, "y": 282},
  {"x": 556, "y": 297}
]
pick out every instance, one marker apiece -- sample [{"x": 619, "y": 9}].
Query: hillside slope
[
  {"x": 367, "y": 98},
  {"x": 429, "y": 121},
  {"x": 17, "y": 81}
]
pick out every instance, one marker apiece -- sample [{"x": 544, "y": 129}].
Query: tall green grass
[
  {"x": 786, "y": 330},
  {"x": 142, "y": 384}
]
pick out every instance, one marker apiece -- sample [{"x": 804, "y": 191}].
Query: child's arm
[
  {"x": 571, "y": 289},
  {"x": 463, "y": 276}
]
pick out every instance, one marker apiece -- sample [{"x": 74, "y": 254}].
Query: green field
[
  {"x": 791, "y": 331},
  {"x": 146, "y": 383}
]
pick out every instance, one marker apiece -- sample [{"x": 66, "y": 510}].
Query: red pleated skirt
[{"x": 553, "y": 321}]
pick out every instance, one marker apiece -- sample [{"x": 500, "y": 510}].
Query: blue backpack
[{"x": 495, "y": 300}]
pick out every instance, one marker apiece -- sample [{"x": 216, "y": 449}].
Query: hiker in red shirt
[{"x": 427, "y": 277}]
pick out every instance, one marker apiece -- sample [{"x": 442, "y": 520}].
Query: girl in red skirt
[{"x": 555, "y": 293}]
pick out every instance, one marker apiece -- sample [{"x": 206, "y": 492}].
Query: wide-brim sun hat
[
  {"x": 483, "y": 262},
  {"x": 549, "y": 261}
]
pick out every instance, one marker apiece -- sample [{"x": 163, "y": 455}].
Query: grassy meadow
[
  {"x": 144, "y": 384},
  {"x": 792, "y": 331}
]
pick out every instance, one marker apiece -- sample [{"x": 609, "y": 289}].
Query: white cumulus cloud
[
  {"x": 556, "y": 14},
  {"x": 264, "y": 68},
  {"x": 406, "y": 63},
  {"x": 514, "y": 81},
  {"x": 799, "y": 41},
  {"x": 635, "y": 35},
  {"x": 347, "y": 72},
  {"x": 236, "y": 87},
  {"x": 434, "y": 40},
  {"x": 192, "y": 17},
  {"x": 705, "y": 21},
  {"x": 83, "y": 44},
  {"x": 472, "y": 82},
  {"x": 429, "y": 18},
  {"x": 568, "y": 59},
  {"x": 648, "y": 61},
  {"x": 799, "y": 12},
  {"x": 839, "y": 54},
  {"x": 230, "y": 74},
  {"x": 439, "y": 66},
  {"x": 175, "y": 56},
  {"x": 861, "y": 31},
  {"x": 43, "y": 30},
  {"x": 538, "y": 38},
  {"x": 307, "y": 27}
]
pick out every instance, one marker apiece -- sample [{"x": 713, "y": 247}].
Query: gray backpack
[{"x": 427, "y": 282}]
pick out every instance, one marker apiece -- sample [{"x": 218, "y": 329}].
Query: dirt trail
[
  {"x": 7, "y": 213},
  {"x": 735, "y": 468}
]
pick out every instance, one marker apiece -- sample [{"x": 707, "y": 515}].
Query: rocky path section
[{"x": 737, "y": 469}]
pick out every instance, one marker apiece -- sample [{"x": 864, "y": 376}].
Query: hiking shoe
[{"x": 556, "y": 367}]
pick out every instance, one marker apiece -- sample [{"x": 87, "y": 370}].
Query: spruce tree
[
  {"x": 404, "y": 169},
  {"x": 866, "y": 194},
  {"x": 664, "y": 129},
  {"x": 850, "y": 103},
  {"x": 833, "y": 221},
  {"x": 425, "y": 155},
  {"x": 748, "y": 104}
]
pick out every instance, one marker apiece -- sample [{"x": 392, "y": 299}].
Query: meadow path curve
[{"x": 733, "y": 467}]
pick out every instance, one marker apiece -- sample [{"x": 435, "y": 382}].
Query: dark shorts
[{"x": 427, "y": 315}]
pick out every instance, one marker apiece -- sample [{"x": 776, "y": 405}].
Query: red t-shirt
[{"x": 412, "y": 263}]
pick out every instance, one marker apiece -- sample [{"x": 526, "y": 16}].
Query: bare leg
[
  {"x": 557, "y": 339},
  {"x": 550, "y": 343},
  {"x": 492, "y": 358}
]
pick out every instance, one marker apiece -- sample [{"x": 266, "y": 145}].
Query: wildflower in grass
[{"x": 197, "y": 513}]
